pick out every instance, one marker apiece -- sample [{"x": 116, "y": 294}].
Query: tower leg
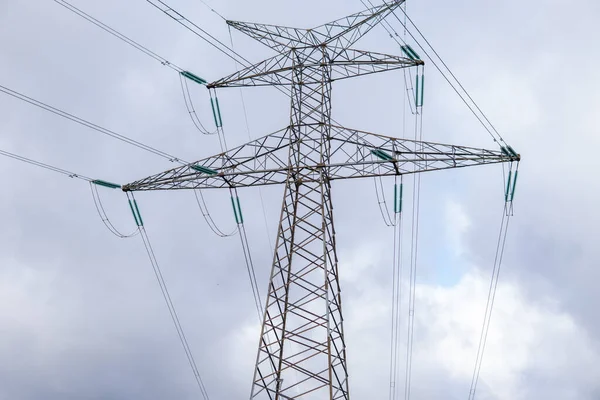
[{"x": 302, "y": 353}]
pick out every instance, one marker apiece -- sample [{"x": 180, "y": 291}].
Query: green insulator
[
  {"x": 137, "y": 222},
  {"x": 398, "y": 189},
  {"x": 417, "y": 91},
  {"x": 240, "y": 210},
  {"x": 505, "y": 152},
  {"x": 138, "y": 213},
  {"x": 508, "y": 185},
  {"x": 512, "y": 196},
  {"x": 193, "y": 77},
  {"x": 212, "y": 104},
  {"x": 396, "y": 198},
  {"x": 407, "y": 52},
  {"x": 106, "y": 184},
  {"x": 512, "y": 152},
  {"x": 219, "y": 113},
  {"x": 415, "y": 56},
  {"x": 235, "y": 213},
  {"x": 401, "y": 194},
  {"x": 382, "y": 155},
  {"x": 204, "y": 170},
  {"x": 422, "y": 89}
]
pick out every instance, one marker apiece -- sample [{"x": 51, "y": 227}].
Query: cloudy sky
[{"x": 81, "y": 315}]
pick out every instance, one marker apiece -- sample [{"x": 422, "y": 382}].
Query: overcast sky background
[{"x": 81, "y": 316}]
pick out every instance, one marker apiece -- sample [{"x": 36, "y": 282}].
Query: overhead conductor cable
[
  {"x": 165, "y": 293},
  {"x": 183, "y": 74}
]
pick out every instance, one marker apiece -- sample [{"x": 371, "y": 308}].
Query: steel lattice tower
[{"x": 302, "y": 351}]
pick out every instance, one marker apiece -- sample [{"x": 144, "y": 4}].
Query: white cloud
[
  {"x": 526, "y": 339},
  {"x": 457, "y": 224}
]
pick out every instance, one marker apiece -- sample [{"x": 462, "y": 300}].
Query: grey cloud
[{"x": 81, "y": 314}]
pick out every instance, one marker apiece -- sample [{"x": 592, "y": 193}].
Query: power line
[
  {"x": 241, "y": 228},
  {"x": 396, "y": 287},
  {"x": 164, "y": 61},
  {"x": 146, "y": 240},
  {"x": 104, "y": 217},
  {"x": 453, "y": 76},
  {"x": 482, "y": 118},
  {"x": 208, "y": 218},
  {"x": 119, "y": 35},
  {"x": 389, "y": 29},
  {"x": 243, "y": 235},
  {"x": 398, "y": 253},
  {"x": 166, "y": 296},
  {"x": 86, "y": 123},
  {"x": 502, "y": 235},
  {"x": 197, "y": 30},
  {"x": 102, "y": 130},
  {"x": 416, "y": 204},
  {"x": 149, "y": 249},
  {"x": 107, "y": 132},
  {"x": 210, "y": 39},
  {"x": 503, "y": 231},
  {"x": 250, "y": 268},
  {"x": 240, "y": 224},
  {"x": 262, "y": 201},
  {"x": 145, "y": 50},
  {"x": 45, "y": 166},
  {"x": 414, "y": 251},
  {"x": 382, "y": 202},
  {"x": 93, "y": 186},
  {"x": 212, "y": 9},
  {"x": 449, "y": 82},
  {"x": 207, "y": 37},
  {"x": 189, "y": 104}
]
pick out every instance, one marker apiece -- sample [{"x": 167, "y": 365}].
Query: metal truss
[{"x": 302, "y": 350}]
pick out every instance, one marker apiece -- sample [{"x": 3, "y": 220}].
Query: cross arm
[
  {"x": 354, "y": 154},
  {"x": 351, "y": 63},
  {"x": 359, "y": 154},
  {"x": 259, "y": 162},
  {"x": 278, "y": 70},
  {"x": 274, "y": 71}
]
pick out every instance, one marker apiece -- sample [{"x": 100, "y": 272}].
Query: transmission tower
[{"x": 302, "y": 349}]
